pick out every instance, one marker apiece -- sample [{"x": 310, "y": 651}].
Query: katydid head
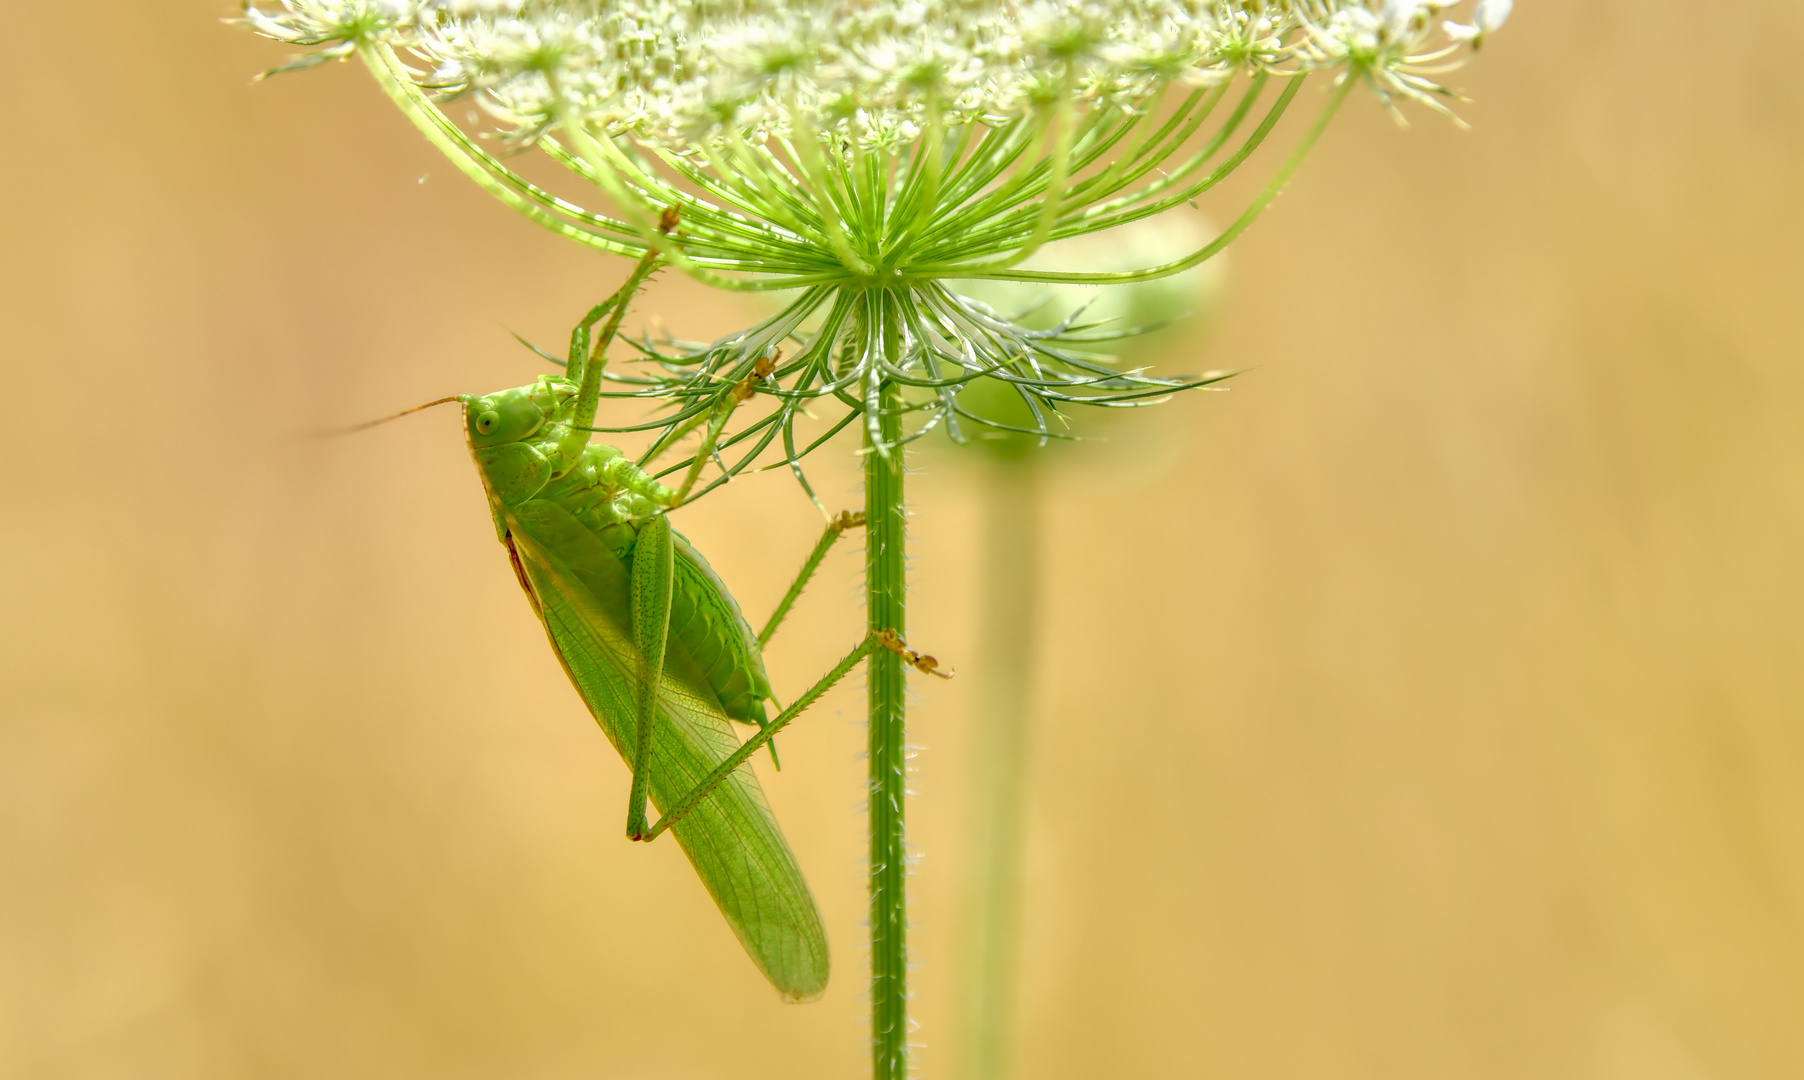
[{"x": 508, "y": 416}]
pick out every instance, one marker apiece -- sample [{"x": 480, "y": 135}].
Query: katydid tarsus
[{"x": 653, "y": 641}]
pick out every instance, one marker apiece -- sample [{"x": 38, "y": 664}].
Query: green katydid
[{"x": 653, "y": 641}]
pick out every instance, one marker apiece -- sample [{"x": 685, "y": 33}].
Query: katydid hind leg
[
  {"x": 653, "y": 573},
  {"x": 766, "y": 733}
]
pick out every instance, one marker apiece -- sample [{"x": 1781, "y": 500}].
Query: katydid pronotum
[{"x": 653, "y": 641}]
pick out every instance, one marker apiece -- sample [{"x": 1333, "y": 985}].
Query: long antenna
[{"x": 368, "y": 424}]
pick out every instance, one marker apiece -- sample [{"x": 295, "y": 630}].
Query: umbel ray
[{"x": 652, "y": 640}]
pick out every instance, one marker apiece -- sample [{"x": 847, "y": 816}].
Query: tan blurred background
[{"x": 1432, "y": 705}]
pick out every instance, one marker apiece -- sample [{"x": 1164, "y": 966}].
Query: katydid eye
[{"x": 485, "y": 422}]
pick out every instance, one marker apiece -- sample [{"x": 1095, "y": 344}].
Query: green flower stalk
[{"x": 862, "y": 155}]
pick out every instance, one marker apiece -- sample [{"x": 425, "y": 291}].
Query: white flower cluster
[{"x": 678, "y": 72}]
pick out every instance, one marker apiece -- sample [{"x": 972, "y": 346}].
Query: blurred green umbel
[
  {"x": 1012, "y": 469},
  {"x": 1142, "y": 321}
]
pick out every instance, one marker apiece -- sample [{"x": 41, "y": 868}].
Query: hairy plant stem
[
  {"x": 1010, "y": 559},
  {"x": 885, "y": 588}
]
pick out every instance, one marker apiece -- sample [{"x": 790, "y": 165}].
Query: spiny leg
[
  {"x": 835, "y": 528},
  {"x": 654, "y": 570},
  {"x": 580, "y": 354},
  {"x": 766, "y": 732},
  {"x": 883, "y": 639},
  {"x": 846, "y": 520},
  {"x": 586, "y": 371},
  {"x": 717, "y": 423}
]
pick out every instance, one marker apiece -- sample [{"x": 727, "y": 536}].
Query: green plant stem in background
[
  {"x": 1010, "y": 572},
  {"x": 885, "y": 589}
]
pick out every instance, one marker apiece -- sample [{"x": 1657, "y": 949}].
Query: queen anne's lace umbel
[
  {"x": 680, "y": 72},
  {"x": 869, "y": 155}
]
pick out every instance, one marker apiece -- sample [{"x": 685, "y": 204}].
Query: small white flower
[
  {"x": 316, "y": 22},
  {"x": 865, "y": 153},
  {"x": 670, "y": 71},
  {"x": 1487, "y": 18}
]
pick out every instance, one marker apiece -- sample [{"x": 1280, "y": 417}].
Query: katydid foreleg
[
  {"x": 654, "y": 570},
  {"x": 580, "y": 355},
  {"x": 587, "y": 376}
]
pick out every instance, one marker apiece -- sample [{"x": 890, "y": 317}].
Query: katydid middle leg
[
  {"x": 835, "y": 528},
  {"x": 717, "y": 423}
]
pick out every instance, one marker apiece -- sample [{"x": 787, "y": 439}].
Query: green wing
[{"x": 731, "y": 838}]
